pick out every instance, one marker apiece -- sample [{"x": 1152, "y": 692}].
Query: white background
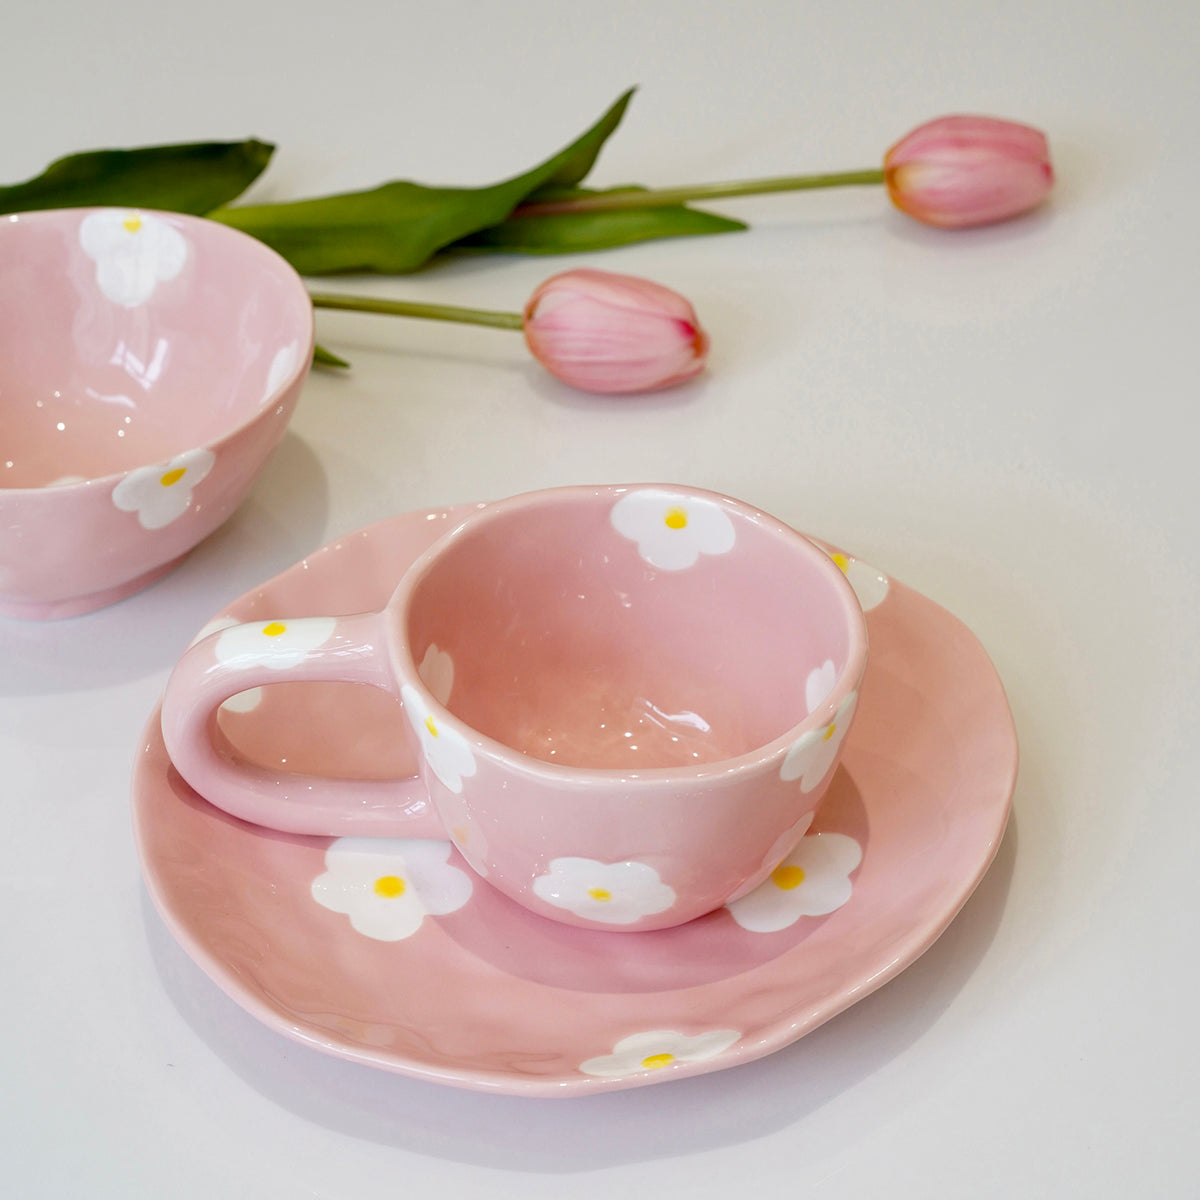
[{"x": 1004, "y": 419}]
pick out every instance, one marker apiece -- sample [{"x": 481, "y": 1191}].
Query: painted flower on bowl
[
  {"x": 609, "y": 893},
  {"x": 656, "y": 1049},
  {"x": 671, "y": 530},
  {"x": 163, "y": 493},
  {"x": 387, "y": 886},
  {"x": 277, "y": 645},
  {"x": 812, "y": 881},
  {"x": 446, "y": 750},
  {"x": 134, "y": 252},
  {"x": 813, "y": 753},
  {"x": 870, "y": 585}
]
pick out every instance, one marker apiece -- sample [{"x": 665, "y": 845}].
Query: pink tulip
[
  {"x": 961, "y": 171},
  {"x": 613, "y": 333}
]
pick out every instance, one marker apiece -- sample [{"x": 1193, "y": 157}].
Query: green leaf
[
  {"x": 398, "y": 227},
  {"x": 193, "y": 177},
  {"x": 565, "y": 233},
  {"x": 327, "y": 358}
]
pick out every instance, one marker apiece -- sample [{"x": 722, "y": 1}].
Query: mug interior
[
  {"x": 127, "y": 337},
  {"x": 564, "y": 643}
]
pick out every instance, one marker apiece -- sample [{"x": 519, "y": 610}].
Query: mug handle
[{"x": 349, "y": 649}]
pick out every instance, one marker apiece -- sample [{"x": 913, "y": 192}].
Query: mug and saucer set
[{"x": 584, "y": 789}]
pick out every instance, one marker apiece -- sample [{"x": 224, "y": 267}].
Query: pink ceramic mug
[{"x": 627, "y": 702}]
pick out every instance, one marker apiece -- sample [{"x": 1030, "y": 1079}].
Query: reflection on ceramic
[
  {"x": 648, "y": 688},
  {"x": 491, "y": 997},
  {"x": 149, "y": 363}
]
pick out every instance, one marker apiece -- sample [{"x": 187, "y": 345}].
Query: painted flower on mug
[
  {"x": 446, "y": 751},
  {"x": 275, "y": 644},
  {"x": 387, "y": 886},
  {"x": 813, "y": 880},
  {"x": 673, "y": 530},
  {"x": 870, "y": 585},
  {"x": 656, "y": 1049},
  {"x": 436, "y": 670},
  {"x": 134, "y": 252},
  {"x": 813, "y": 753},
  {"x": 245, "y": 701},
  {"x": 163, "y": 493},
  {"x": 609, "y": 893}
]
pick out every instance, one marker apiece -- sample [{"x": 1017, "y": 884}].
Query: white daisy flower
[
  {"x": 244, "y": 701},
  {"x": 656, "y": 1049},
  {"x": 274, "y": 644},
  {"x": 870, "y": 585},
  {"x": 671, "y": 530},
  {"x": 162, "y": 493},
  {"x": 812, "y": 881},
  {"x": 812, "y": 754},
  {"x": 387, "y": 886},
  {"x": 134, "y": 252},
  {"x": 611, "y": 893},
  {"x": 446, "y": 751}
]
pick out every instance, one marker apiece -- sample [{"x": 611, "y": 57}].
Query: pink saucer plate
[{"x": 392, "y": 953}]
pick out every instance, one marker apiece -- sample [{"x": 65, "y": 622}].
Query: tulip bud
[
  {"x": 961, "y": 171},
  {"x": 613, "y": 333}
]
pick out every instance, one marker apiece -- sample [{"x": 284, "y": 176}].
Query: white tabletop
[{"x": 1003, "y": 419}]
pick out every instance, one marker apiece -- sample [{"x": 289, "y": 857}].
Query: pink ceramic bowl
[{"x": 149, "y": 363}]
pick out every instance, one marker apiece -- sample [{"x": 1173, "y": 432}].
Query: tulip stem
[
  {"x": 663, "y": 197},
  {"x": 410, "y": 308}
]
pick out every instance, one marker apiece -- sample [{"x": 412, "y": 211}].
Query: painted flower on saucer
[
  {"x": 387, "y": 886},
  {"x": 656, "y": 1049}
]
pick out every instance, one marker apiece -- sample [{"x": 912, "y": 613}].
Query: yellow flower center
[
  {"x": 788, "y": 877},
  {"x": 274, "y": 629},
  {"x": 132, "y": 223},
  {"x": 829, "y": 731},
  {"x": 429, "y": 724},
  {"x": 601, "y": 894},
  {"x": 676, "y": 518},
  {"x": 842, "y": 561},
  {"x": 389, "y": 886},
  {"x": 654, "y": 1061},
  {"x": 173, "y": 476}
]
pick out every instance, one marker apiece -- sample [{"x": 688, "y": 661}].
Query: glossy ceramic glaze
[
  {"x": 149, "y": 363},
  {"x": 627, "y": 701},
  {"x": 387, "y": 952}
]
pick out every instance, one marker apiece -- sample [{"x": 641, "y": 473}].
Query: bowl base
[{"x": 76, "y": 606}]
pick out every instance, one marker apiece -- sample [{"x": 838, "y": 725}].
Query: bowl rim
[{"x": 254, "y": 247}]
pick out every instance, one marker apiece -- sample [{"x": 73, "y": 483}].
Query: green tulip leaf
[
  {"x": 398, "y": 227},
  {"x": 327, "y": 358},
  {"x": 571, "y": 232},
  {"x": 193, "y": 177}
]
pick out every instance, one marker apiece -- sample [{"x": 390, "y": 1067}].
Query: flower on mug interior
[
  {"x": 134, "y": 252},
  {"x": 282, "y": 365},
  {"x": 387, "y": 886},
  {"x": 610, "y": 893},
  {"x": 672, "y": 530},
  {"x": 275, "y": 644},
  {"x": 812, "y": 753},
  {"x": 162, "y": 493},
  {"x": 819, "y": 684},
  {"x": 813, "y": 880},
  {"x": 446, "y": 750},
  {"x": 870, "y": 585},
  {"x": 658, "y": 1048},
  {"x": 436, "y": 671}
]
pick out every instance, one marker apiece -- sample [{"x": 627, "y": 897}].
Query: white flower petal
[
  {"x": 437, "y": 673},
  {"x": 133, "y": 252},
  {"x": 813, "y": 753},
  {"x": 282, "y": 365},
  {"x": 672, "y": 530},
  {"x": 162, "y": 493},
  {"x": 819, "y": 684},
  {"x": 446, "y": 751},
  {"x": 610, "y": 893},
  {"x": 277, "y": 644},
  {"x": 812, "y": 881},
  {"x": 656, "y": 1049}
]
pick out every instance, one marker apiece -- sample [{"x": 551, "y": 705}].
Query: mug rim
[{"x": 719, "y": 771}]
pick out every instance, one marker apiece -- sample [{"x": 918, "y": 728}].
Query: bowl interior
[
  {"x": 564, "y": 643},
  {"x": 127, "y": 337}
]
